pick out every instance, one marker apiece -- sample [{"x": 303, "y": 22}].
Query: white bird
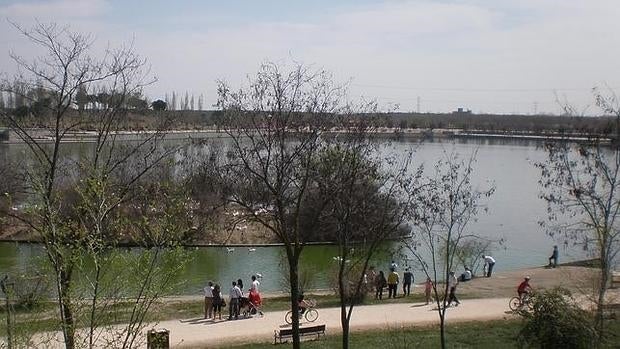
[
  {"x": 259, "y": 275},
  {"x": 230, "y": 249},
  {"x": 251, "y": 249}
]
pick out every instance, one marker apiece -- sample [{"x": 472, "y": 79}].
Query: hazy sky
[{"x": 487, "y": 55}]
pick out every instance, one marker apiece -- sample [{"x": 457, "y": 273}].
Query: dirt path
[
  {"x": 490, "y": 302},
  {"x": 206, "y": 333}
]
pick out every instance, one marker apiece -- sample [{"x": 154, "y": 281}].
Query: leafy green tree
[
  {"x": 362, "y": 206},
  {"x": 159, "y": 105}
]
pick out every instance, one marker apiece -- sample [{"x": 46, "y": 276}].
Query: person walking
[
  {"x": 452, "y": 283},
  {"x": 208, "y": 300},
  {"x": 392, "y": 282},
  {"x": 380, "y": 283},
  {"x": 428, "y": 288},
  {"x": 218, "y": 302},
  {"x": 233, "y": 308},
  {"x": 372, "y": 276},
  {"x": 255, "y": 284},
  {"x": 489, "y": 262},
  {"x": 407, "y": 281},
  {"x": 555, "y": 255}
]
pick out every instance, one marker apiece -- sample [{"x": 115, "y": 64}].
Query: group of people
[
  {"x": 214, "y": 301},
  {"x": 378, "y": 281}
]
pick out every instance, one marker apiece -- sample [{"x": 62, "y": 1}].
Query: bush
[{"x": 556, "y": 321}]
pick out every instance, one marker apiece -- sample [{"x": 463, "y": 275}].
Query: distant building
[{"x": 462, "y": 111}]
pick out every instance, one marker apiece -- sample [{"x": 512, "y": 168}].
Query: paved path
[{"x": 206, "y": 333}]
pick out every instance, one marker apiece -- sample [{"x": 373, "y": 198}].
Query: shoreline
[{"x": 416, "y": 133}]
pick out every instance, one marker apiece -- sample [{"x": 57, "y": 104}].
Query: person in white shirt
[
  {"x": 489, "y": 262},
  {"x": 255, "y": 284},
  {"x": 209, "y": 300},
  {"x": 452, "y": 282},
  {"x": 235, "y": 295}
]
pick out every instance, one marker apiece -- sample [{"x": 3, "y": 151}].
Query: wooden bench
[
  {"x": 284, "y": 334},
  {"x": 615, "y": 279},
  {"x": 610, "y": 311}
]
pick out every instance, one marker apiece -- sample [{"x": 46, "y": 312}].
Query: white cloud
[
  {"x": 500, "y": 56},
  {"x": 55, "y": 10}
]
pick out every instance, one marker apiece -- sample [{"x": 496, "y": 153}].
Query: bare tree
[
  {"x": 446, "y": 203},
  {"x": 581, "y": 185},
  {"x": 275, "y": 128},
  {"x": 77, "y": 203}
]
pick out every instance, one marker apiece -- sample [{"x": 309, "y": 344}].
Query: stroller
[{"x": 251, "y": 304}]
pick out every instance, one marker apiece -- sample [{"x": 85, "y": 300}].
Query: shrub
[{"x": 556, "y": 321}]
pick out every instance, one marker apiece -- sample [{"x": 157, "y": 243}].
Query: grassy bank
[{"x": 494, "y": 334}]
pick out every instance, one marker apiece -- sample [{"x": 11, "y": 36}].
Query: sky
[{"x": 490, "y": 56}]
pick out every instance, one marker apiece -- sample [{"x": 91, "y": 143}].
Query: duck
[
  {"x": 251, "y": 249},
  {"x": 230, "y": 249}
]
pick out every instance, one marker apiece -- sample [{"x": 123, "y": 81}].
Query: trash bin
[{"x": 158, "y": 339}]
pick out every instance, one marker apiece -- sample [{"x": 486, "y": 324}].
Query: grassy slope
[{"x": 491, "y": 335}]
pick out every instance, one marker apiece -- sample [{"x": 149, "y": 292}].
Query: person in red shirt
[{"x": 524, "y": 288}]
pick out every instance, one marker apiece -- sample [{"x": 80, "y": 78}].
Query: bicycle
[
  {"x": 517, "y": 303},
  {"x": 311, "y": 314}
]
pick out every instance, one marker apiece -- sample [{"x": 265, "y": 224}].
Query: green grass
[{"x": 491, "y": 335}]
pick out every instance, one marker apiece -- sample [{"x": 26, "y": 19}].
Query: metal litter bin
[{"x": 158, "y": 339}]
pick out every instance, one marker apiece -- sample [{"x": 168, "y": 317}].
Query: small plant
[{"x": 556, "y": 321}]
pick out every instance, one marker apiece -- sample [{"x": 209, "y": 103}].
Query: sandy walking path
[{"x": 206, "y": 333}]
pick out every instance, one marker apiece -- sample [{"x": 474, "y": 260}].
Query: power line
[{"x": 459, "y": 89}]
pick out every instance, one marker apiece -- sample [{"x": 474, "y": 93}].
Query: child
[{"x": 428, "y": 287}]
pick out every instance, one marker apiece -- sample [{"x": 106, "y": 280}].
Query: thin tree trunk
[
  {"x": 93, "y": 307},
  {"x": 599, "y": 320},
  {"x": 66, "y": 312},
  {"x": 343, "y": 304},
  {"x": 442, "y": 331},
  {"x": 294, "y": 283}
]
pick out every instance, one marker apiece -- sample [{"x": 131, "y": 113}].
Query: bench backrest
[
  {"x": 302, "y": 330},
  {"x": 285, "y": 332},
  {"x": 311, "y": 329}
]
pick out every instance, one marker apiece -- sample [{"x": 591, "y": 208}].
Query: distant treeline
[{"x": 531, "y": 124}]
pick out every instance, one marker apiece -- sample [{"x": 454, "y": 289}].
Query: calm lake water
[{"x": 514, "y": 212}]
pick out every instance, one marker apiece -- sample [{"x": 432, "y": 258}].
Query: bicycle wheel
[
  {"x": 289, "y": 317},
  {"x": 514, "y": 303},
  {"x": 529, "y": 303},
  {"x": 312, "y": 315}
]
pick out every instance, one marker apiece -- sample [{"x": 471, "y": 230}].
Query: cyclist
[
  {"x": 303, "y": 304},
  {"x": 524, "y": 288}
]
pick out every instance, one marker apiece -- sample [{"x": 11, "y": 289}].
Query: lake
[{"x": 514, "y": 212}]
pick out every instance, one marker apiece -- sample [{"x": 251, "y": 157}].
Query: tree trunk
[
  {"x": 66, "y": 312},
  {"x": 442, "y": 331},
  {"x": 599, "y": 319},
  {"x": 344, "y": 321},
  {"x": 294, "y": 283},
  {"x": 345, "y": 334}
]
